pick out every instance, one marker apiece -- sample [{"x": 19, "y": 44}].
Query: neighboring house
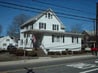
[
  {"x": 5, "y": 41},
  {"x": 49, "y": 33},
  {"x": 88, "y": 39}
]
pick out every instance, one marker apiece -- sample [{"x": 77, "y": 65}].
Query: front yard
[{"x": 11, "y": 57}]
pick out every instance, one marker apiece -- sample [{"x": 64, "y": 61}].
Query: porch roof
[{"x": 52, "y": 32}]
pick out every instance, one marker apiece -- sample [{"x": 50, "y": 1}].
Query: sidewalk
[{"x": 44, "y": 59}]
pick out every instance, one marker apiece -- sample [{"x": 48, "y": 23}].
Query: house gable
[
  {"x": 50, "y": 20},
  {"x": 47, "y": 17}
]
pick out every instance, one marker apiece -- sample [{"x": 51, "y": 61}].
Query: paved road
[{"x": 84, "y": 65}]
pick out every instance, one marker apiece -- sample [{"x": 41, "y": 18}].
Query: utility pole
[
  {"x": 96, "y": 25},
  {"x": 94, "y": 43}
]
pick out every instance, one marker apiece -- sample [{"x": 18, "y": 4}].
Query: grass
[{"x": 11, "y": 57}]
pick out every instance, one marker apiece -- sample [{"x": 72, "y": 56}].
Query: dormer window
[
  {"x": 48, "y": 15},
  {"x": 51, "y": 16}
]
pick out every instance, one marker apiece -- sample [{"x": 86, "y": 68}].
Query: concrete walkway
[{"x": 44, "y": 59}]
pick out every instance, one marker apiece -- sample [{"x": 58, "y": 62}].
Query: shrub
[
  {"x": 19, "y": 52},
  {"x": 69, "y": 52},
  {"x": 57, "y": 53},
  {"x": 64, "y": 53},
  {"x": 3, "y": 51},
  {"x": 54, "y": 53},
  {"x": 12, "y": 51},
  {"x": 51, "y": 53},
  {"x": 31, "y": 53}
]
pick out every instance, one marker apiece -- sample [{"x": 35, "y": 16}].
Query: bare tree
[
  {"x": 14, "y": 28},
  {"x": 0, "y": 29},
  {"x": 20, "y": 19},
  {"x": 77, "y": 28}
]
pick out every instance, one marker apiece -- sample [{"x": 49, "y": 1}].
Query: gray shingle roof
[{"x": 91, "y": 33}]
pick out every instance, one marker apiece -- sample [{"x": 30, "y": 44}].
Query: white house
[
  {"x": 49, "y": 33},
  {"x": 5, "y": 41}
]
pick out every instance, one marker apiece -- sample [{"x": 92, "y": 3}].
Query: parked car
[{"x": 11, "y": 48}]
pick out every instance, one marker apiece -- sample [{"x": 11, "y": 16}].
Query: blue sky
[{"x": 87, "y": 7}]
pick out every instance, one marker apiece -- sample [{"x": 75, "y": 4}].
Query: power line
[
  {"x": 75, "y": 18},
  {"x": 38, "y": 12},
  {"x": 43, "y": 10},
  {"x": 63, "y": 7},
  {"x": 18, "y": 8},
  {"x": 64, "y": 16},
  {"x": 74, "y": 15},
  {"x": 21, "y": 5},
  {"x": 86, "y": 3}
]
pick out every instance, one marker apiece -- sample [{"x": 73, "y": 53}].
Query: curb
[{"x": 42, "y": 59}]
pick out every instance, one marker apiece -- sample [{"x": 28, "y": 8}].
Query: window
[
  {"x": 55, "y": 27},
  {"x": 47, "y": 50},
  {"x": 28, "y": 35},
  {"x": 4, "y": 44},
  {"x": 52, "y": 38},
  {"x": 42, "y": 25},
  {"x": 7, "y": 39},
  {"x": 21, "y": 42},
  {"x": 24, "y": 35},
  {"x": 77, "y": 40},
  {"x": 74, "y": 39},
  {"x": 48, "y": 15},
  {"x": 26, "y": 41},
  {"x": 56, "y": 38},
  {"x": 63, "y": 39},
  {"x": 51, "y": 16},
  {"x": 31, "y": 27},
  {"x": 26, "y": 27}
]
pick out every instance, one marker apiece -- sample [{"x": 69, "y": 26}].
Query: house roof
[
  {"x": 90, "y": 33},
  {"x": 52, "y": 32},
  {"x": 5, "y": 37},
  {"x": 35, "y": 18}
]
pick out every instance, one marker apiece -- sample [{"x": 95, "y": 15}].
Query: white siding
[
  {"x": 4, "y": 43},
  {"x": 59, "y": 46},
  {"x": 49, "y": 23}
]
